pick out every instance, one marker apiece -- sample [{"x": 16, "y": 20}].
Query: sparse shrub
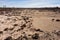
[
  {"x": 9, "y": 38},
  {"x": 24, "y": 25},
  {"x": 24, "y": 38},
  {"x": 8, "y": 18},
  {"x": 58, "y": 33},
  {"x": 35, "y": 36},
  {"x": 11, "y": 28},
  {"x": 25, "y": 18},
  {"x": 58, "y": 20},
  {"x": 1, "y": 32},
  {"x": 6, "y": 29},
  {"x": 53, "y": 19},
  {"x": 15, "y": 25},
  {"x": 19, "y": 38},
  {"x": 38, "y": 30}
]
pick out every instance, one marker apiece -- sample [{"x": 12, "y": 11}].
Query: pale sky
[{"x": 30, "y": 3}]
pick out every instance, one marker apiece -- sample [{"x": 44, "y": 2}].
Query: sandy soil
[{"x": 28, "y": 24}]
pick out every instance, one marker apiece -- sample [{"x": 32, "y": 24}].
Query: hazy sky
[{"x": 29, "y": 3}]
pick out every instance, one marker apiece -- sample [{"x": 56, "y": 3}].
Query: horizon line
[{"x": 33, "y": 7}]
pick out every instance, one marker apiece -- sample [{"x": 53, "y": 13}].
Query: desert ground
[{"x": 29, "y": 23}]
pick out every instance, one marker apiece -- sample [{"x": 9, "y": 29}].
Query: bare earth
[{"x": 29, "y": 23}]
